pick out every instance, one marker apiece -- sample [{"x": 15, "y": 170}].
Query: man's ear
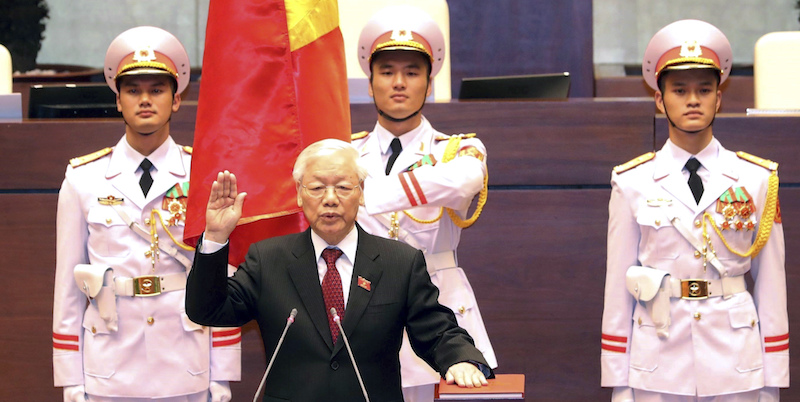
[
  {"x": 659, "y": 98},
  {"x": 299, "y": 198},
  {"x": 119, "y": 105},
  {"x": 430, "y": 87},
  {"x": 176, "y": 102}
]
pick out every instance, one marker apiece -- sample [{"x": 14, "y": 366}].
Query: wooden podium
[{"x": 502, "y": 387}]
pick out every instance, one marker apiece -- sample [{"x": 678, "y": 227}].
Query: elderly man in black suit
[{"x": 383, "y": 284}]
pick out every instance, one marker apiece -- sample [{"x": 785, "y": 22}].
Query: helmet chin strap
[
  {"x": 687, "y": 131},
  {"x": 150, "y": 133},
  {"x": 401, "y": 119},
  {"x": 396, "y": 120}
]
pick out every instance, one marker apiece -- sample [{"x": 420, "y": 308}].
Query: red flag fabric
[{"x": 273, "y": 81}]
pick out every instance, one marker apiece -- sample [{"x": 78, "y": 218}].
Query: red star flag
[{"x": 273, "y": 81}]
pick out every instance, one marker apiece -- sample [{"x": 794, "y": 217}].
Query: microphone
[
  {"x": 289, "y": 322},
  {"x": 338, "y": 322}
]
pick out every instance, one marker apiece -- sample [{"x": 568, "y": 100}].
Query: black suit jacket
[{"x": 280, "y": 274}]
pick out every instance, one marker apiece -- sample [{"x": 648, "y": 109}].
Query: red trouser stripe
[
  {"x": 778, "y": 348},
  {"x": 67, "y": 346},
  {"x": 615, "y": 338},
  {"x": 218, "y": 334},
  {"x": 620, "y": 349},
  {"x": 776, "y": 338},
  {"x": 60, "y": 337},
  {"x": 227, "y": 342}
]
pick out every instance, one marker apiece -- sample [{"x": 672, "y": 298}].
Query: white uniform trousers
[
  {"x": 420, "y": 393},
  {"x": 648, "y": 396},
  {"x": 198, "y": 397}
]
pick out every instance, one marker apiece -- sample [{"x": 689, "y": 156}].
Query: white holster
[
  {"x": 648, "y": 285},
  {"x": 97, "y": 283}
]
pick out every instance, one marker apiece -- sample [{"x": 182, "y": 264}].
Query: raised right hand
[{"x": 224, "y": 208}]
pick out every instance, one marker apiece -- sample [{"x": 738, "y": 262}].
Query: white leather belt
[
  {"x": 149, "y": 285},
  {"x": 698, "y": 289},
  {"x": 435, "y": 262}
]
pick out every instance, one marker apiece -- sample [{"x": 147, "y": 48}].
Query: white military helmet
[
  {"x": 401, "y": 27},
  {"x": 146, "y": 50},
  {"x": 687, "y": 44}
]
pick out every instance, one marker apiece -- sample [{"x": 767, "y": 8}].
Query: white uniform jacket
[
  {"x": 156, "y": 351},
  {"x": 421, "y": 192},
  {"x": 716, "y": 345}
]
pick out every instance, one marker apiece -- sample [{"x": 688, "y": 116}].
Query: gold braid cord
[
  {"x": 180, "y": 244},
  {"x": 449, "y": 154},
  {"x": 765, "y": 227},
  {"x": 425, "y": 221}
]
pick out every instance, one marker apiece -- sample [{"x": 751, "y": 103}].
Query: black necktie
[
  {"x": 694, "y": 180},
  {"x": 396, "y": 149},
  {"x": 146, "y": 181}
]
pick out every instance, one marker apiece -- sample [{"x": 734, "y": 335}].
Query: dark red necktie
[{"x": 332, "y": 290}]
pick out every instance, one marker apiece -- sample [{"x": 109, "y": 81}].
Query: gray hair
[{"x": 325, "y": 147}]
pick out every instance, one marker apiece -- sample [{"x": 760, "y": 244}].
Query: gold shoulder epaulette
[
  {"x": 81, "y": 160},
  {"x": 187, "y": 149},
  {"x": 634, "y": 162},
  {"x": 359, "y": 135},
  {"x": 445, "y": 137},
  {"x": 765, "y": 163}
]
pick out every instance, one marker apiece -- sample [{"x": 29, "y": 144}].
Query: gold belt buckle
[
  {"x": 146, "y": 286},
  {"x": 694, "y": 289}
]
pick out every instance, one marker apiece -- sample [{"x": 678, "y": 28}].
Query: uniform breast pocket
[
  {"x": 97, "y": 344},
  {"x": 746, "y": 337},
  {"x": 422, "y": 233},
  {"x": 739, "y": 236},
  {"x": 658, "y": 234},
  {"x": 107, "y": 232},
  {"x": 645, "y": 344}
]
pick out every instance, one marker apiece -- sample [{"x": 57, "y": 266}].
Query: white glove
[
  {"x": 622, "y": 394},
  {"x": 75, "y": 393},
  {"x": 220, "y": 391},
  {"x": 769, "y": 394}
]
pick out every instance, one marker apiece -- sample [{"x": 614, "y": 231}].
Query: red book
[{"x": 503, "y": 386}]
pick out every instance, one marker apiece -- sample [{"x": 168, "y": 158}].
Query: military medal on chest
[
  {"x": 737, "y": 208},
  {"x": 174, "y": 202}
]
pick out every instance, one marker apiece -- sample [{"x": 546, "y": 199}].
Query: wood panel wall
[
  {"x": 536, "y": 257},
  {"x": 511, "y": 37}
]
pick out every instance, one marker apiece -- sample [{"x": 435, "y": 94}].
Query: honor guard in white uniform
[
  {"x": 686, "y": 224},
  {"x": 421, "y": 182},
  {"x": 120, "y": 332}
]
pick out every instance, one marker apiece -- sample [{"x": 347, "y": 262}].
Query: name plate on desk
[{"x": 503, "y": 386}]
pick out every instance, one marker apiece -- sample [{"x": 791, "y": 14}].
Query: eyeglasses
[{"x": 341, "y": 190}]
